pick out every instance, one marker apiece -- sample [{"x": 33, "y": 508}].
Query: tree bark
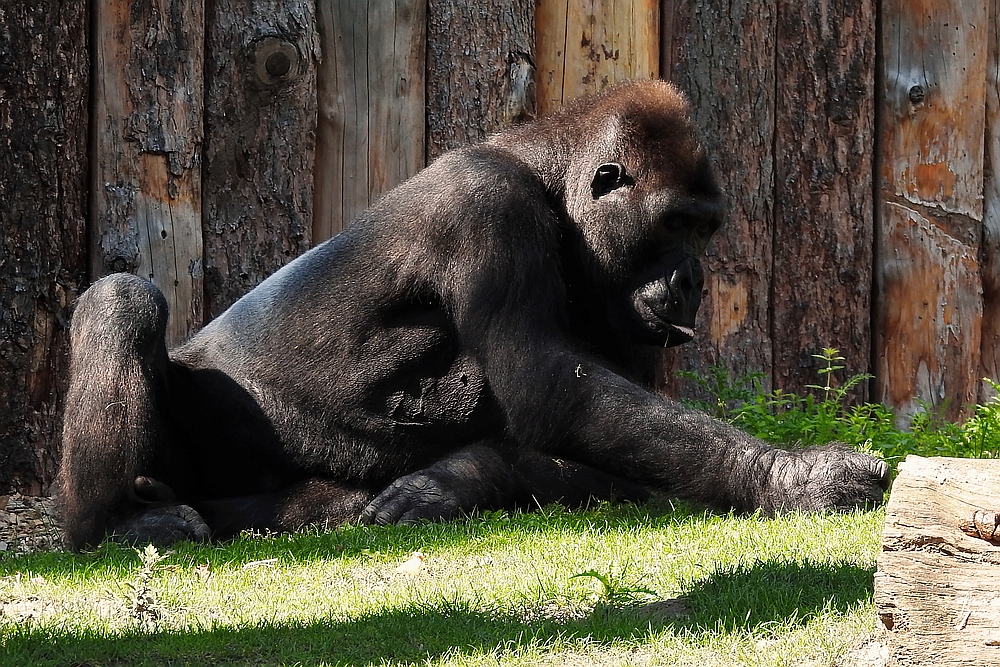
[
  {"x": 722, "y": 55},
  {"x": 480, "y": 69},
  {"x": 44, "y": 82},
  {"x": 260, "y": 120},
  {"x": 825, "y": 112}
]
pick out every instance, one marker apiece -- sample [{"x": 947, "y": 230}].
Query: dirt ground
[{"x": 29, "y": 524}]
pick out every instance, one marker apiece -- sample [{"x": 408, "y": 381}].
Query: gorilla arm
[
  {"x": 564, "y": 403},
  {"x": 580, "y": 410}
]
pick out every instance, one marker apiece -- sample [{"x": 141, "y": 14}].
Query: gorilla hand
[
  {"x": 832, "y": 477},
  {"x": 477, "y": 477}
]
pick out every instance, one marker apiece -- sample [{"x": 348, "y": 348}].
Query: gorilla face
[{"x": 661, "y": 227}]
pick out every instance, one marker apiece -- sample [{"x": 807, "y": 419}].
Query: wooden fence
[{"x": 203, "y": 145}]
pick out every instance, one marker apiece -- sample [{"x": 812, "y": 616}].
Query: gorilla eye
[{"x": 608, "y": 177}]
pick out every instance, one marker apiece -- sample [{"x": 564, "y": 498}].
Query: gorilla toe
[{"x": 163, "y": 526}]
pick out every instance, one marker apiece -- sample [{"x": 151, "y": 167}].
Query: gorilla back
[{"x": 478, "y": 339}]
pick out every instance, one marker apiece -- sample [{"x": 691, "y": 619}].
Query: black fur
[{"x": 477, "y": 339}]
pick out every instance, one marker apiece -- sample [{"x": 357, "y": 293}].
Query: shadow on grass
[{"x": 736, "y": 599}]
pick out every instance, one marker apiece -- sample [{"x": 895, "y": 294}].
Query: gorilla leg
[
  {"x": 314, "y": 501},
  {"x": 113, "y": 426}
]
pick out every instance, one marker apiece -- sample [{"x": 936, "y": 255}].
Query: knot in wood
[
  {"x": 275, "y": 60},
  {"x": 916, "y": 94}
]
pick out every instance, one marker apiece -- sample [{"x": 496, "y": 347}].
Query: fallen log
[{"x": 936, "y": 588}]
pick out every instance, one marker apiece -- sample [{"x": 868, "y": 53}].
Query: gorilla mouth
[
  {"x": 666, "y": 333},
  {"x": 686, "y": 332}
]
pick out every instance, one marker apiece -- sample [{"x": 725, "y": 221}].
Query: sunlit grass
[{"x": 676, "y": 586}]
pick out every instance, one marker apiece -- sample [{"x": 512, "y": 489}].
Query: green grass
[
  {"x": 661, "y": 583},
  {"x": 651, "y": 584}
]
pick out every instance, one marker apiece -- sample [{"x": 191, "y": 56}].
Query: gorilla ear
[{"x": 609, "y": 176}]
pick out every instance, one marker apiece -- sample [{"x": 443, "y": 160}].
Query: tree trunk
[
  {"x": 371, "y": 104},
  {"x": 585, "y": 46},
  {"x": 821, "y": 295},
  {"x": 146, "y": 187},
  {"x": 930, "y": 215},
  {"x": 990, "y": 257},
  {"x": 480, "y": 69},
  {"x": 260, "y": 120},
  {"x": 44, "y": 82},
  {"x": 722, "y": 55}
]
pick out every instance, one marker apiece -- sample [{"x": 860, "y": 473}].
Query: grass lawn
[{"x": 615, "y": 585}]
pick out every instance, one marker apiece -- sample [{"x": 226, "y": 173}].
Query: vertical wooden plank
[
  {"x": 585, "y": 46},
  {"x": 371, "y": 104},
  {"x": 990, "y": 364},
  {"x": 930, "y": 208},
  {"x": 722, "y": 55},
  {"x": 260, "y": 119},
  {"x": 44, "y": 83},
  {"x": 824, "y": 148},
  {"x": 146, "y": 188},
  {"x": 480, "y": 69}
]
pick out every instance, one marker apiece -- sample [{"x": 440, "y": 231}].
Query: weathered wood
[
  {"x": 480, "y": 69},
  {"x": 44, "y": 84},
  {"x": 260, "y": 119},
  {"x": 990, "y": 255},
  {"x": 929, "y": 223},
  {"x": 722, "y": 55},
  {"x": 146, "y": 188},
  {"x": 584, "y": 46},
  {"x": 935, "y": 588},
  {"x": 823, "y": 208},
  {"x": 371, "y": 104}
]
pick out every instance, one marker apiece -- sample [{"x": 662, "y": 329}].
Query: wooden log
[
  {"x": 260, "y": 119},
  {"x": 44, "y": 86},
  {"x": 146, "y": 188},
  {"x": 935, "y": 588},
  {"x": 371, "y": 104},
  {"x": 929, "y": 311},
  {"x": 823, "y": 227},
  {"x": 480, "y": 69},
  {"x": 722, "y": 55},
  {"x": 581, "y": 47},
  {"x": 990, "y": 255}
]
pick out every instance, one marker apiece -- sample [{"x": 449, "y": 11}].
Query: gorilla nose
[{"x": 688, "y": 276}]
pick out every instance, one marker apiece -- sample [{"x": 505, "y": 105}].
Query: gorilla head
[{"x": 642, "y": 204}]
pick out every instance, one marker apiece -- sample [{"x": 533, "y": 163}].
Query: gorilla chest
[{"x": 435, "y": 394}]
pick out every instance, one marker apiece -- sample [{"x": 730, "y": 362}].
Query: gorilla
[{"x": 480, "y": 338}]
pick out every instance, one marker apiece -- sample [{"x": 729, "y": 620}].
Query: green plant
[
  {"x": 615, "y": 592},
  {"x": 825, "y": 415},
  {"x": 144, "y": 605}
]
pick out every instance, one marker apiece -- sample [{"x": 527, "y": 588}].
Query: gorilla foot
[
  {"x": 832, "y": 477},
  {"x": 162, "y": 526},
  {"x": 152, "y": 490},
  {"x": 411, "y": 498}
]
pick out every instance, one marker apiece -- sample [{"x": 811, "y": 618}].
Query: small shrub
[{"x": 824, "y": 416}]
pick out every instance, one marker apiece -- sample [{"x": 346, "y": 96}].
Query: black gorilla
[{"x": 475, "y": 340}]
